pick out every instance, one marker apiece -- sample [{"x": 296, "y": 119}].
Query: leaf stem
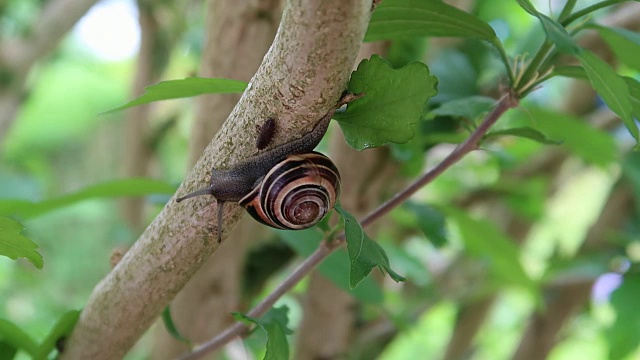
[
  {"x": 325, "y": 248},
  {"x": 505, "y": 60},
  {"x": 534, "y": 65},
  {"x": 589, "y": 9},
  {"x": 567, "y": 9},
  {"x": 471, "y": 143}
]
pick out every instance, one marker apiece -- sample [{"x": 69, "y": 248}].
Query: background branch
[{"x": 17, "y": 56}]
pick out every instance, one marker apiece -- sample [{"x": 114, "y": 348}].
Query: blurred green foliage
[{"x": 59, "y": 145}]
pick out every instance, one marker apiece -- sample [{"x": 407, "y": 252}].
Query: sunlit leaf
[
  {"x": 393, "y": 103},
  {"x": 115, "y": 188},
  {"x": 16, "y": 338},
  {"x": 611, "y": 87},
  {"x": 14, "y": 245},
  {"x": 182, "y": 88},
  {"x": 591, "y": 144},
  {"x": 524, "y": 132},
  {"x": 60, "y": 331},
  {"x": 624, "y": 333},
  {"x": 401, "y": 18},
  {"x": 528, "y": 7},
  {"x": 275, "y": 325}
]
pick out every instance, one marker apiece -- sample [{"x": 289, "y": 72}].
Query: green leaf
[
  {"x": 469, "y": 108},
  {"x": 13, "y": 245},
  {"x": 484, "y": 240},
  {"x": 372, "y": 256},
  {"x": 634, "y": 91},
  {"x": 393, "y": 103},
  {"x": 171, "y": 328},
  {"x": 558, "y": 35},
  {"x": 183, "y": 88},
  {"x": 631, "y": 170},
  {"x": 7, "y": 351},
  {"x": 524, "y": 132},
  {"x": 335, "y": 267},
  {"x": 575, "y": 72},
  {"x": 15, "y": 338},
  {"x": 624, "y": 333},
  {"x": 60, "y": 331},
  {"x": 400, "y": 18},
  {"x": 116, "y": 188},
  {"x": 274, "y": 324},
  {"x": 431, "y": 221},
  {"x": 353, "y": 233},
  {"x": 555, "y": 32},
  {"x": 364, "y": 253},
  {"x": 624, "y": 43},
  {"x": 590, "y": 144},
  {"x": 611, "y": 87}
]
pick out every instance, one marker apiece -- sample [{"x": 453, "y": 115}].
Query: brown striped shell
[{"x": 295, "y": 194}]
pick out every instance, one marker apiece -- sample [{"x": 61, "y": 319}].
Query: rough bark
[
  {"x": 300, "y": 79},
  {"x": 17, "y": 56},
  {"x": 238, "y": 35},
  {"x": 329, "y": 312}
]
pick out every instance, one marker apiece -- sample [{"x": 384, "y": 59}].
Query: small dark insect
[{"x": 265, "y": 133}]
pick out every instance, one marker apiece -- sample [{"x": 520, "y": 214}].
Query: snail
[{"x": 286, "y": 187}]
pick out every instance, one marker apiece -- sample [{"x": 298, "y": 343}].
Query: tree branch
[
  {"x": 325, "y": 248},
  {"x": 301, "y": 77}
]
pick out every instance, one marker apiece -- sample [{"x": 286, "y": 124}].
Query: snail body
[{"x": 286, "y": 187}]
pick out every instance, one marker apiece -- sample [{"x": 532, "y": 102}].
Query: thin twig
[{"x": 507, "y": 102}]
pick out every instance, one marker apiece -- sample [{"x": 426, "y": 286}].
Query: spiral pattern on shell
[{"x": 296, "y": 194}]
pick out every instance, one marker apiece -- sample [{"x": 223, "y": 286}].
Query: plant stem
[
  {"x": 506, "y": 103},
  {"x": 534, "y": 65},
  {"x": 567, "y": 9},
  {"x": 588, "y": 10},
  {"x": 470, "y": 144}
]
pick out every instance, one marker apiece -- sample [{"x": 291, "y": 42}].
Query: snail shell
[{"x": 296, "y": 193}]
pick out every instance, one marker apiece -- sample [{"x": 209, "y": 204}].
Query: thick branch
[
  {"x": 301, "y": 77},
  {"x": 238, "y": 35}
]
